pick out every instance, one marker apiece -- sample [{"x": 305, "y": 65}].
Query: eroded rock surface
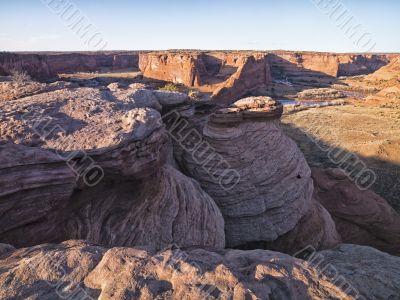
[
  {"x": 84, "y": 270},
  {"x": 33, "y": 183},
  {"x": 257, "y": 176},
  {"x": 166, "y": 208},
  {"x": 138, "y": 198},
  {"x": 10, "y": 90},
  {"x": 361, "y": 217},
  {"x": 320, "y": 94}
]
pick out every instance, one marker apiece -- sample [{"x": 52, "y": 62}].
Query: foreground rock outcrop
[
  {"x": 256, "y": 175},
  {"x": 166, "y": 208},
  {"x": 102, "y": 164},
  {"x": 78, "y": 269},
  {"x": 33, "y": 183},
  {"x": 361, "y": 217}
]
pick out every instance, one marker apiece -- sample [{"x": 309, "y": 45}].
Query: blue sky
[{"x": 29, "y": 25}]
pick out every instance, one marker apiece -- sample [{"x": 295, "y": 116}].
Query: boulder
[
  {"x": 168, "y": 98},
  {"x": 140, "y": 98}
]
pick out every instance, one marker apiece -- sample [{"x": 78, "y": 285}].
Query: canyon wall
[
  {"x": 228, "y": 76},
  {"x": 48, "y": 65},
  {"x": 328, "y": 64}
]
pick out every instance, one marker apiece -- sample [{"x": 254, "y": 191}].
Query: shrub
[
  {"x": 169, "y": 87},
  {"x": 20, "y": 77}
]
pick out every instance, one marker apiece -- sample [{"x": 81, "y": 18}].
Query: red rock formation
[
  {"x": 253, "y": 72},
  {"x": 173, "y": 67},
  {"x": 267, "y": 196},
  {"x": 361, "y": 217},
  {"x": 294, "y": 62},
  {"x": 48, "y": 65},
  {"x": 140, "y": 200},
  {"x": 231, "y": 75},
  {"x": 389, "y": 72}
]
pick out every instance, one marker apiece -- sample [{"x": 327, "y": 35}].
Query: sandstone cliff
[
  {"x": 232, "y": 75},
  {"x": 46, "y": 66}
]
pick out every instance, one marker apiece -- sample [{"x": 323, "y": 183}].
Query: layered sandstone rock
[
  {"x": 142, "y": 97},
  {"x": 125, "y": 194},
  {"x": 33, "y": 183},
  {"x": 232, "y": 75},
  {"x": 48, "y": 65},
  {"x": 361, "y": 217},
  {"x": 388, "y": 72},
  {"x": 324, "y": 94},
  {"x": 173, "y": 67},
  {"x": 257, "y": 176},
  {"x": 78, "y": 269},
  {"x": 10, "y": 90},
  {"x": 253, "y": 72},
  {"x": 166, "y": 208},
  {"x": 228, "y": 76}
]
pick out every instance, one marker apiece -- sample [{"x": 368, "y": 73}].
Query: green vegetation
[{"x": 169, "y": 87}]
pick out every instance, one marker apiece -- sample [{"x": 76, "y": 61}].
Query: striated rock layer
[
  {"x": 228, "y": 76},
  {"x": 78, "y": 269},
  {"x": 33, "y": 183},
  {"x": 361, "y": 217},
  {"x": 48, "y": 65},
  {"x": 257, "y": 176},
  {"x": 168, "y": 208},
  {"x": 101, "y": 163}
]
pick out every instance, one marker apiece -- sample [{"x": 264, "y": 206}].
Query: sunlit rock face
[
  {"x": 83, "y": 270},
  {"x": 258, "y": 178},
  {"x": 88, "y": 164}
]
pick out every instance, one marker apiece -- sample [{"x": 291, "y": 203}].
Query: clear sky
[{"x": 30, "y": 25}]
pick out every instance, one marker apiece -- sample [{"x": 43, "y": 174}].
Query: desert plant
[
  {"x": 169, "y": 87},
  {"x": 194, "y": 94},
  {"x": 20, "y": 77}
]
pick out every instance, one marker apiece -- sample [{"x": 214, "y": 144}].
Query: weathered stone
[
  {"x": 324, "y": 94},
  {"x": 167, "y": 208},
  {"x": 84, "y": 270},
  {"x": 361, "y": 216},
  {"x": 127, "y": 146},
  {"x": 257, "y": 176},
  {"x": 167, "y": 98},
  {"x": 33, "y": 183}
]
